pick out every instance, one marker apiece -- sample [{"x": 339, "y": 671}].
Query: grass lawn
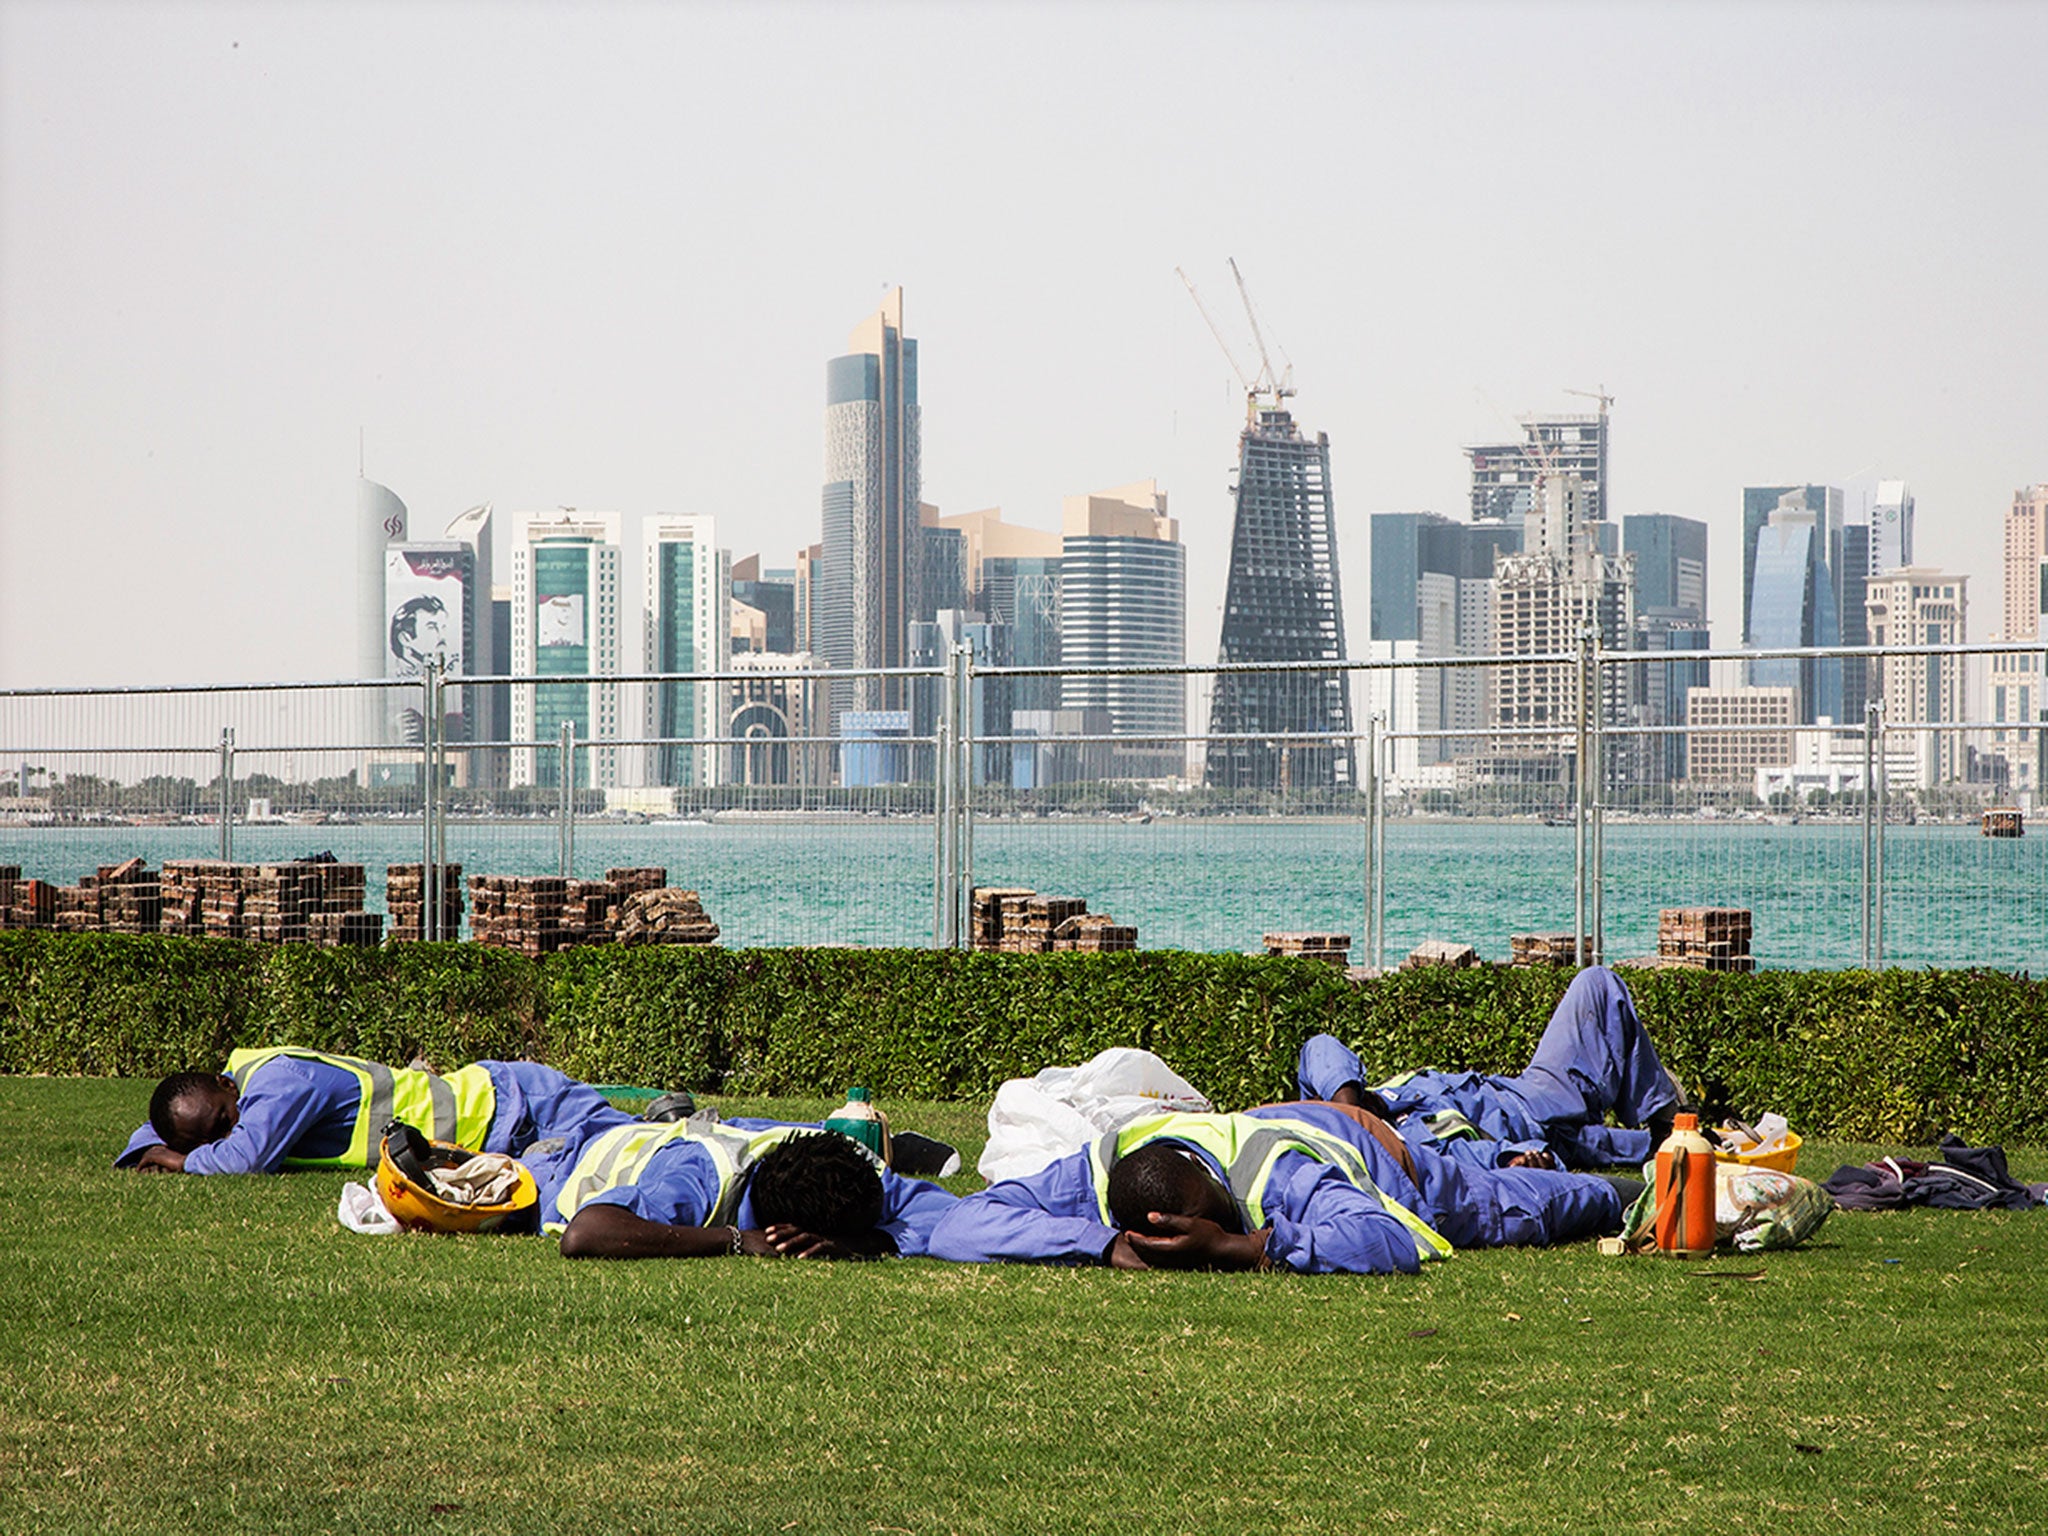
[{"x": 207, "y": 1355}]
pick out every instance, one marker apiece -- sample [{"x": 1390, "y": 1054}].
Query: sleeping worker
[
  {"x": 1594, "y": 1057},
  {"x": 705, "y": 1187},
  {"x": 279, "y": 1107},
  {"x": 1314, "y": 1188}
]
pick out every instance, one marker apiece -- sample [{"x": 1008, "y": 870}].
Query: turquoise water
[{"x": 1953, "y": 897}]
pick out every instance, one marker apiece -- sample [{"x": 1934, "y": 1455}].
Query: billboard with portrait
[{"x": 426, "y": 617}]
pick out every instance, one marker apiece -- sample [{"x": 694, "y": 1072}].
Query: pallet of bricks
[
  {"x": 1544, "y": 949},
  {"x": 299, "y": 901},
  {"x": 1333, "y": 948},
  {"x": 1705, "y": 938},
  {"x": 1018, "y": 921},
  {"x": 648, "y": 912},
  {"x": 405, "y": 901}
]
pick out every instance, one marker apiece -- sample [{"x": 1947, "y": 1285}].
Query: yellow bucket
[{"x": 1782, "y": 1156}]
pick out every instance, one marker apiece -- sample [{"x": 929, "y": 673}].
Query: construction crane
[
  {"x": 1265, "y": 382},
  {"x": 1599, "y": 393}
]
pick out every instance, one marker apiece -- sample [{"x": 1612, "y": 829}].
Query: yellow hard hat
[{"x": 404, "y": 1157}]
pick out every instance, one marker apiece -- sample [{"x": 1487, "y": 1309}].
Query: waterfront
[{"x": 1954, "y": 898}]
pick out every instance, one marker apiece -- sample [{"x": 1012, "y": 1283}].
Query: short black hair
[
  {"x": 1156, "y": 1177},
  {"x": 818, "y": 1181},
  {"x": 177, "y": 1086}
]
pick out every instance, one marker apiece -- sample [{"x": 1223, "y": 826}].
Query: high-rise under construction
[{"x": 1283, "y": 729}]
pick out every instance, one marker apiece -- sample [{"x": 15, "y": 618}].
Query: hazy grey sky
[{"x": 598, "y": 254}]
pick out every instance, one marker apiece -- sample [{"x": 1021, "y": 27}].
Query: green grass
[{"x": 206, "y": 1355}]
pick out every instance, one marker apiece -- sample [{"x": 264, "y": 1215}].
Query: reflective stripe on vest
[
  {"x": 1444, "y": 1124},
  {"x": 1248, "y": 1149},
  {"x": 457, "y": 1108},
  {"x": 619, "y": 1156}
]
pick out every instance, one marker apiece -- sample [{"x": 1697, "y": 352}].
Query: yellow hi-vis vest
[
  {"x": 456, "y": 1108},
  {"x": 618, "y": 1156},
  {"x": 1248, "y": 1148}
]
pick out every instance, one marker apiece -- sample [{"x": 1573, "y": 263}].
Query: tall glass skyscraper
[
  {"x": 867, "y": 591},
  {"x": 1283, "y": 603}
]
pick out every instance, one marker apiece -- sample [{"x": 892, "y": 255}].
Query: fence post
[
  {"x": 1870, "y": 729},
  {"x": 227, "y": 793},
  {"x": 1369, "y": 951},
  {"x": 1580, "y": 810},
  {"x": 1383, "y": 749},
  {"x": 963, "y": 873},
  {"x": 1597, "y": 877},
  {"x": 565, "y": 854},
  {"x": 1883, "y": 813},
  {"x": 942, "y": 812}
]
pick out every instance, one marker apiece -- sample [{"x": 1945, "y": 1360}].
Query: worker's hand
[
  {"x": 1121, "y": 1255},
  {"x": 1195, "y": 1242},
  {"x": 160, "y": 1159},
  {"x": 1532, "y": 1160},
  {"x": 787, "y": 1241}
]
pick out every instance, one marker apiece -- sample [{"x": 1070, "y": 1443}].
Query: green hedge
[{"x": 1893, "y": 1056}]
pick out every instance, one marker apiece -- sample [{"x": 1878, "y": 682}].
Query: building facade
[
  {"x": 777, "y": 720},
  {"x": 1504, "y": 475},
  {"x": 1736, "y": 732},
  {"x": 1918, "y": 605},
  {"x": 686, "y": 628},
  {"x": 1793, "y": 552},
  {"x": 1283, "y": 603},
  {"x": 870, "y": 586},
  {"x": 566, "y": 573},
  {"x": 1122, "y": 601}
]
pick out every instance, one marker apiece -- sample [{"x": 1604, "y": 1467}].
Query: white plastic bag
[
  {"x": 1038, "y": 1120},
  {"x": 361, "y": 1211}
]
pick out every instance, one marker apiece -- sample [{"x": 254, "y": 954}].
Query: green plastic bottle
[{"x": 862, "y": 1121}]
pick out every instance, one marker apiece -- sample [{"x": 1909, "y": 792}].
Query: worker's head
[
  {"x": 190, "y": 1109},
  {"x": 1170, "y": 1178},
  {"x": 818, "y": 1181}
]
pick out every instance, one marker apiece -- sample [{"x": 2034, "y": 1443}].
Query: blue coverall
[
  {"x": 680, "y": 1187},
  {"x": 1320, "y": 1222},
  {"x": 1594, "y": 1057},
  {"x": 293, "y": 1107}
]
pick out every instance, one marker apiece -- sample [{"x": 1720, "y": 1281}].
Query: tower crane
[
  {"x": 1265, "y": 382},
  {"x": 1599, "y": 393}
]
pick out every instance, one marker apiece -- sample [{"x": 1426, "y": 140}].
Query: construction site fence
[{"x": 1576, "y": 797}]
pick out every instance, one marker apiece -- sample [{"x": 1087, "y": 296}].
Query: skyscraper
[
  {"x": 1504, "y": 475},
  {"x": 1123, "y": 602},
  {"x": 2018, "y": 681},
  {"x": 380, "y": 521},
  {"x": 1432, "y": 595},
  {"x": 565, "y": 623},
  {"x": 434, "y": 611},
  {"x": 1891, "y": 527},
  {"x": 867, "y": 592},
  {"x": 1671, "y": 561},
  {"x": 1283, "y": 603},
  {"x": 686, "y": 626},
  {"x": 1012, "y": 576},
  {"x": 1792, "y": 591},
  {"x": 1915, "y": 605}
]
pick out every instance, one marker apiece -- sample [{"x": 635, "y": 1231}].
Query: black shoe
[
  {"x": 921, "y": 1157},
  {"x": 679, "y": 1105}
]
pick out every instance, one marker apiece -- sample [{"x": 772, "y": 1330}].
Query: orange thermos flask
[{"x": 1685, "y": 1192}]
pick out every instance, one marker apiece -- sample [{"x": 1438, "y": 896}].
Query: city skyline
[{"x": 232, "y": 236}]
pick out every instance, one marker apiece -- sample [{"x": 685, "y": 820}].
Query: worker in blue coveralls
[
  {"x": 1308, "y": 1187},
  {"x": 281, "y": 1107},
  {"x": 1594, "y": 1057},
  {"x": 705, "y": 1187}
]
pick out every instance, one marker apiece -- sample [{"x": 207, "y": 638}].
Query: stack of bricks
[
  {"x": 405, "y": 900},
  {"x": 353, "y": 930},
  {"x": 131, "y": 898},
  {"x": 1335, "y": 948},
  {"x": 1030, "y": 932},
  {"x": 77, "y": 908},
  {"x": 992, "y": 906},
  {"x": 10, "y": 888},
  {"x": 654, "y": 915},
  {"x": 515, "y": 912},
  {"x": 1094, "y": 933},
  {"x": 202, "y": 896},
  {"x": 1543, "y": 949},
  {"x": 1705, "y": 938},
  {"x": 30, "y": 903}
]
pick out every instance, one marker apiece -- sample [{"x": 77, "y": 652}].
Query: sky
[{"x": 597, "y": 256}]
